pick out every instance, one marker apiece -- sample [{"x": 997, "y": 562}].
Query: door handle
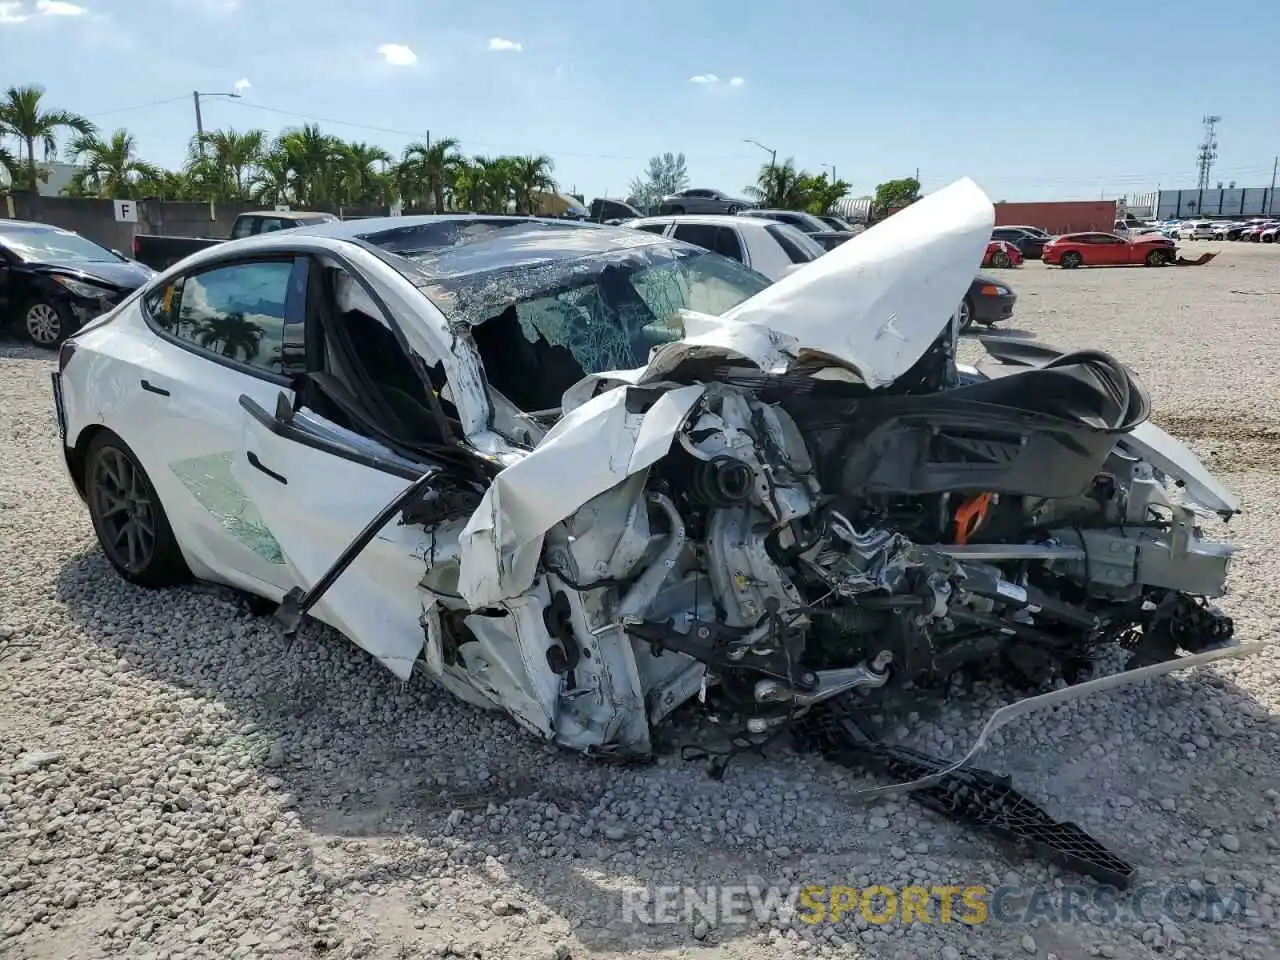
[
  {"x": 259, "y": 465},
  {"x": 150, "y": 387}
]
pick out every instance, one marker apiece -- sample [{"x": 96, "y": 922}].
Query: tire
[
  {"x": 1268, "y": 239},
  {"x": 1070, "y": 260},
  {"x": 1157, "y": 258},
  {"x": 966, "y": 314},
  {"x": 116, "y": 485},
  {"x": 45, "y": 322},
  {"x": 732, "y": 209},
  {"x": 1001, "y": 259}
]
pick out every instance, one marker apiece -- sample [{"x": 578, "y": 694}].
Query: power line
[{"x": 137, "y": 106}]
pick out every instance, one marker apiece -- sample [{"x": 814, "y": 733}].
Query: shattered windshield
[{"x": 541, "y": 328}]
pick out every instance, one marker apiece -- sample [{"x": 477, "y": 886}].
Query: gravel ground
[{"x": 177, "y": 781}]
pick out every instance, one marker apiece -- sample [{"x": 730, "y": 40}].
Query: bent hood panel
[{"x": 881, "y": 298}]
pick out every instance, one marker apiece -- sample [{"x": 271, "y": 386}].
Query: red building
[{"x": 1059, "y": 216}]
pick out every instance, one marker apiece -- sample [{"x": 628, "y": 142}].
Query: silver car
[{"x": 700, "y": 200}]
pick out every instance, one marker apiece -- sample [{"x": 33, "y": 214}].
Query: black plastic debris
[{"x": 970, "y": 796}]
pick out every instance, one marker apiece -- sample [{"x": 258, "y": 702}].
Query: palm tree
[
  {"x": 8, "y": 160},
  {"x": 529, "y": 176},
  {"x": 780, "y": 187},
  {"x": 109, "y": 168},
  {"x": 234, "y": 335},
  {"x": 229, "y": 157},
  {"x": 22, "y": 117},
  {"x": 489, "y": 184},
  {"x": 359, "y": 181},
  {"x": 426, "y": 170},
  {"x": 272, "y": 182},
  {"x": 314, "y": 159}
]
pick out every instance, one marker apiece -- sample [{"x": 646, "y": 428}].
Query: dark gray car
[{"x": 700, "y": 200}]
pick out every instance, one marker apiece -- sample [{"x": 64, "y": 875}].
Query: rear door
[{"x": 223, "y": 330}]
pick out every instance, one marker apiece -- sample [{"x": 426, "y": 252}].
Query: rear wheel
[
  {"x": 732, "y": 209},
  {"x": 1070, "y": 260},
  {"x": 1001, "y": 259},
  {"x": 966, "y": 314},
  {"x": 131, "y": 525}
]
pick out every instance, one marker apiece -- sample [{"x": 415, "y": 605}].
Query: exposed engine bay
[
  {"x": 802, "y": 537},
  {"x": 782, "y": 511}
]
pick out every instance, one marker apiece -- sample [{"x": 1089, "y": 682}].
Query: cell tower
[{"x": 1208, "y": 151}]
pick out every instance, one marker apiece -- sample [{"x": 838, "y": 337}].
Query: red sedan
[
  {"x": 1108, "y": 250},
  {"x": 1002, "y": 253}
]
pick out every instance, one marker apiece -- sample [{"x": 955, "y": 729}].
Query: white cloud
[
  {"x": 398, "y": 55},
  {"x": 737, "y": 82},
  {"x": 59, "y": 8},
  {"x": 502, "y": 45},
  {"x": 242, "y": 85},
  {"x": 12, "y": 13},
  {"x": 705, "y": 78}
]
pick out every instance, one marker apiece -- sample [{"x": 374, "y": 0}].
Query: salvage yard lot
[{"x": 176, "y": 780}]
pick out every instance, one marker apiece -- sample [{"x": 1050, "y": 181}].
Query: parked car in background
[
  {"x": 766, "y": 246},
  {"x": 604, "y": 210},
  {"x": 53, "y": 281},
  {"x": 1002, "y": 253},
  {"x": 1253, "y": 230},
  {"x": 1228, "y": 229},
  {"x": 1029, "y": 243},
  {"x": 1269, "y": 234},
  {"x": 1195, "y": 230},
  {"x": 161, "y": 252},
  {"x": 701, "y": 200},
  {"x": 806, "y": 223},
  {"x": 1108, "y": 250},
  {"x": 988, "y": 301},
  {"x": 839, "y": 223}
]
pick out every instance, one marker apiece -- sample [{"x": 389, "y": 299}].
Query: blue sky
[{"x": 1034, "y": 100}]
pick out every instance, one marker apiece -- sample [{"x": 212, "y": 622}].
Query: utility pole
[
  {"x": 1208, "y": 151},
  {"x": 1271, "y": 198},
  {"x": 195, "y": 97},
  {"x": 832, "y": 167}
]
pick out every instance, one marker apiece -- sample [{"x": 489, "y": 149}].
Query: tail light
[
  {"x": 987, "y": 290},
  {"x": 137, "y": 247},
  {"x": 65, "y": 353}
]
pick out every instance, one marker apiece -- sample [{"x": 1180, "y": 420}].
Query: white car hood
[{"x": 881, "y": 298}]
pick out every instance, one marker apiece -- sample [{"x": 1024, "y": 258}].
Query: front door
[{"x": 316, "y": 493}]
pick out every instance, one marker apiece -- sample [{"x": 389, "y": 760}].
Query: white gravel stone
[{"x": 177, "y": 781}]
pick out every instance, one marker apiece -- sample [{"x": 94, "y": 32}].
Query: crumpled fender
[{"x": 595, "y": 447}]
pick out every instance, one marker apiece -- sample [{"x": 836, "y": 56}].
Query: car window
[
  {"x": 238, "y": 312},
  {"x": 244, "y": 227},
  {"x": 698, "y": 193},
  {"x": 50, "y": 245},
  {"x": 269, "y": 224},
  {"x": 699, "y": 234},
  {"x": 798, "y": 247},
  {"x": 658, "y": 228},
  {"x": 728, "y": 244},
  {"x": 537, "y": 347}
]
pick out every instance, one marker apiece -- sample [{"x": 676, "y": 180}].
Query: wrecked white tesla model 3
[{"x": 583, "y": 475}]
